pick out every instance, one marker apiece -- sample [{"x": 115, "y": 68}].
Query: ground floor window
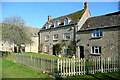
[
  {"x": 96, "y": 49},
  {"x": 66, "y": 51}
]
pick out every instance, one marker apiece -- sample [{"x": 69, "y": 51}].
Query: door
[
  {"x": 15, "y": 49},
  {"x": 54, "y": 50},
  {"x": 81, "y": 51}
]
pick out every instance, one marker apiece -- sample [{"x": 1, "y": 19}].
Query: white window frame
[
  {"x": 65, "y": 21},
  {"x": 97, "y": 35},
  {"x": 96, "y": 47},
  {"x": 64, "y": 36},
  {"x": 54, "y": 37},
  {"x": 47, "y": 26},
  {"x": 47, "y": 38},
  {"x": 57, "y": 24},
  {"x": 64, "y": 50}
]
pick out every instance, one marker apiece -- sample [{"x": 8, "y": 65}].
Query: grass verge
[
  {"x": 14, "y": 70},
  {"x": 97, "y": 76}
]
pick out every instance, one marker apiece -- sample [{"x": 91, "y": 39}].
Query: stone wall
[
  {"x": 60, "y": 31},
  {"x": 34, "y": 46},
  {"x": 108, "y": 42}
]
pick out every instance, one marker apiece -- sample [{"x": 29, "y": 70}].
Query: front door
[
  {"x": 15, "y": 49},
  {"x": 81, "y": 51},
  {"x": 54, "y": 50}
]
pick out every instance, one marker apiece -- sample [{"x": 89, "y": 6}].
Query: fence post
[
  {"x": 58, "y": 66},
  {"x": 87, "y": 66},
  {"x": 101, "y": 64}
]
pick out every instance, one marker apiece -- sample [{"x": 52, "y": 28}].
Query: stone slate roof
[
  {"x": 108, "y": 20},
  {"x": 74, "y": 17},
  {"x": 32, "y": 30}
]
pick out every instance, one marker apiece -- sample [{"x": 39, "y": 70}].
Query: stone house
[
  {"x": 33, "y": 47},
  {"x": 99, "y": 36},
  {"x": 60, "y": 30}
]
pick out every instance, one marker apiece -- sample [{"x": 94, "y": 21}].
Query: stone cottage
[
  {"x": 61, "y": 29},
  {"x": 99, "y": 36}
]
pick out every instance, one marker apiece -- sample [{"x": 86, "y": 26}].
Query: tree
[
  {"x": 58, "y": 48},
  {"x": 72, "y": 48},
  {"x": 14, "y": 32}
]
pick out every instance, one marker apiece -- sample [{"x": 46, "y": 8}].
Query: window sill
[
  {"x": 55, "y": 39},
  {"x": 66, "y": 39},
  {"x": 96, "y": 54},
  {"x": 96, "y": 37}
]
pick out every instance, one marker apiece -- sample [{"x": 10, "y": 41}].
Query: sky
[{"x": 35, "y": 13}]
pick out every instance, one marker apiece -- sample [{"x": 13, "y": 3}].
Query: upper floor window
[
  {"x": 55, "y": 37},
  {"x": 96, "y": 49},
  {"x": 97, "y": 33},
  {"x": 66, "y": 36},
  {"x": 56, "y": 24},
  {"x": 46, "y": 37},
  {"x": 66, "y": 21},
  {"x": 47, "y": 26}
]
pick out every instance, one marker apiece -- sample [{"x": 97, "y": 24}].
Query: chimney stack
[
  {"x": 49, "y": 18},
  {"x": 86, "y": 5}
]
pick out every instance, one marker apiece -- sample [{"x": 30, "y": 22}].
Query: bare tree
[{"x": 14, "y": 32}]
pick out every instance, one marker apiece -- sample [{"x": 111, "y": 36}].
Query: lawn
[
  {"x": 0, "y": 68},
  {"x": 14, "y": 70},
  {"x": 97, "y": 76},
  {"x": 44, "y": 55}
]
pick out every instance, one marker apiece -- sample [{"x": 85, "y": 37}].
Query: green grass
[
  {"x": 0, "y": 68},
  {"x": 98, "y": 76},
  {"x": 44, "y": 55},
  {"x": 14, "y": 70}
]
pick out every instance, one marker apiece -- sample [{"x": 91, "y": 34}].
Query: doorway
[
  {"x": 54, "y": 50},
  {"x": 81, "y": 51}
]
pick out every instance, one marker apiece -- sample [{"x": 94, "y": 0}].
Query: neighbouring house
[
  {"x": 60, "y": 30},
  {"x": 33, "y": 47},
  {"x": 99, "y": 36}
]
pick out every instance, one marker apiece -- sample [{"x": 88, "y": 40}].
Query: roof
[
  {"x": 74, "y": 17},
  {"x": 32, "y": 30},
  {"x": 108, "y": 20}
]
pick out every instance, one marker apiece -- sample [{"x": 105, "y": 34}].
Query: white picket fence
[{"x": 68, "y": 67}]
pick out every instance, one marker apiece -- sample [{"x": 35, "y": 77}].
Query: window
[
  {"x": 55, "y": 37},
  {"x": 66, "y": 21},
  {"x": 65, "y": 51},
  {"x": 46, "y": 48},
  {"x": 46, "y": 37},
  {"x": 96, "y": 50},
  {"x": 66, "y": 36},
  {"x": 97, "y": 33},
  {"x": 47, "y": 26},
  {"x": 56, "y": 24}
]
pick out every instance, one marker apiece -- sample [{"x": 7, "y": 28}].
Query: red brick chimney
[
  {"x": 86, "y": 5},
  {"x": 49, "y": 18}
]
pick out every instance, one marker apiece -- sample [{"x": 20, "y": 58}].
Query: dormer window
[
  {"x": 56, "y": 24},
  {"x": 66, "y": 21},
  {"x": 47, "y": 26}
]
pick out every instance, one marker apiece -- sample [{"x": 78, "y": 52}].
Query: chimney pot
[
  {"x": 86, "y": 5},
  {"x": 49, "y": 18}
]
